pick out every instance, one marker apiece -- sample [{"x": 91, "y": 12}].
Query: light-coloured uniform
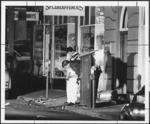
[
  {"x": 71, "y": 86},
  {"x": 99, "y": 60}
]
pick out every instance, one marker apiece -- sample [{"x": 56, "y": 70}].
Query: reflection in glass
[{"x": 60, "y": 44}]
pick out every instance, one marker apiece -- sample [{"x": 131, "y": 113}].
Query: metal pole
[
  {"x": 47, "y": 86},
  {"x": 52, "y": 49},
  {"x": 92, "y": 76},
  {"x": 93, "y": 92}
]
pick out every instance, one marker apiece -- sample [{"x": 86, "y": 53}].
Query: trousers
[{"x": 71, "y": 90}]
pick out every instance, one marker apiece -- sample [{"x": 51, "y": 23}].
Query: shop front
[
  {"x": 114, "y": 36},
  {"x": 83, "y": 32},
  {"x": 78, "y": 31}
]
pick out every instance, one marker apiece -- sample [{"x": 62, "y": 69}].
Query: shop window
[
  {"x": 87, "y": 15},
  {"x": 92, "y": 18},
  {"x": 87, "y": 39},
  {"x": 48, "y": 19},
  {"x": 71, "y": 19},
  {"x": 38, "y": 49},
  {"x": 60, "y": 45},
  {"x": 60, "y": 19},
  {"x": 55, "y": 19},
  {"x": 81, "y": 20},
  {"x": 65, "y": 19}
]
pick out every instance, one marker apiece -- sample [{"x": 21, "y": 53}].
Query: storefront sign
[
  {"x": 64, "y": 10},
  {"x": 30, "y": 16}
]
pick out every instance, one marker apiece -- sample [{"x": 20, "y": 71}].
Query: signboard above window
[
  {"x": 30, "y": 16},
  {"x": 64, "y": 10}
]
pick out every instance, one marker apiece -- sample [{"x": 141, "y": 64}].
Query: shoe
[{"x": 70, "y": 104}]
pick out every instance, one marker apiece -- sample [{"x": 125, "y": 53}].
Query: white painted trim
[
  {"x": 44, "y": 47},
  {"x": 79, "y": 35},
  {"x": 52, "y": 49},
  {"x": 121, "y": 19},
  {"x": 89, "y": 15}
]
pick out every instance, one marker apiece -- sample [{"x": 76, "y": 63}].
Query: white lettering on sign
[{"x": 64, "y": 10}]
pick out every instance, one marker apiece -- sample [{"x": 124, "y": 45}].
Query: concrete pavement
[{"x": 58, "y": 97}]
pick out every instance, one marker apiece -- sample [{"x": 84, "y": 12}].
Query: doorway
[{"x": 121, "y": 65}]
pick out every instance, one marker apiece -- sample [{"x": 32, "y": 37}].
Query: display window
[
  {"x": 64, "y": 36},
  {"x": 38, "y": 50},
  {"x": 60, "y": 46},
  {"x": 87, "y": 39}
]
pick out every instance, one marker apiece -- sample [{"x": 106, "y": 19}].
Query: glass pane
[
  {"x": 87, "y": 15},
  {"x": 92, "y": 15},
  {"x": 71, "y": 19},
  {"x": 48, "y": 19},
  {"x": 87, "y": 39},
  {"x": 60, "y": 45},
  {"x": 55, "y": 20},
  {"x": 81, "y": 20},
  {"x": 38, "y": 50},
  {"x": 60, "y": 19},
  {"x": 65, "y": 19}
]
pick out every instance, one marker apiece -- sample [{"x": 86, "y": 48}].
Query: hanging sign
[{"x": 64, "y": 10}]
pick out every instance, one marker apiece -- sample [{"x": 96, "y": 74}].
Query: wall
[
  {"x": 132, "y": 59},
  {"x": 122, "y": 74},
  {"x": 110, "y": 38},
  {"x": 114, "y": 68}
]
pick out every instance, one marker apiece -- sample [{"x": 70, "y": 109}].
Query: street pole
[
  {"x": 93, "y": 92},
  {"x": 93, "y": 86},
  {"x": 47, "y": 64},
  {"x": 47, "y": 86}
]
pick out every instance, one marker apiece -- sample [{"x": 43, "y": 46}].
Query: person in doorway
[
  {"x": 100, "y": 63},
  {"x": 71, "y": 86},
  {"x": 72, "y": 55}
]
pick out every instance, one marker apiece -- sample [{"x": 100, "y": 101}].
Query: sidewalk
[{"x": 58, "y": 97}]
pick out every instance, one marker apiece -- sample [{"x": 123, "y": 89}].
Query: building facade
[
  {"x": 120, "y": 28},
  {"x": 125, "y": 33}
]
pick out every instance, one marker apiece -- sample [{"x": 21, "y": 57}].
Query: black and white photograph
[{"x": 75, "y": 62}]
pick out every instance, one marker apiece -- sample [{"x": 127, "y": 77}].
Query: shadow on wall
[
  {"x": 131, "y": 75},
  {"x": 118, "y": 72}
]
